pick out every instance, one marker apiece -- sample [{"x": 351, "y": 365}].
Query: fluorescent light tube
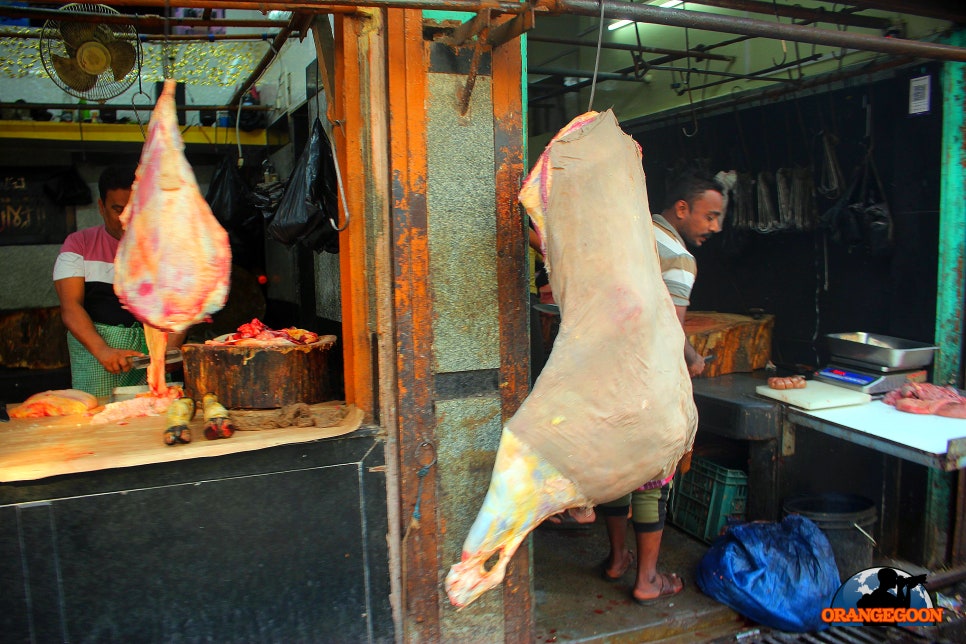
[{"x": 617, "y": 24}]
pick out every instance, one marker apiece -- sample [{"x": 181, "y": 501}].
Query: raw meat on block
[
  {"x": 56, "y": 402},
  {"x": 613, "y": 407},
  {"x": 173, "y": 263}
]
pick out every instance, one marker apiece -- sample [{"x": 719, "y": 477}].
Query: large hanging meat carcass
[
  {"x": 174, "y": 261},
  {"x": 613, "y": 407}
]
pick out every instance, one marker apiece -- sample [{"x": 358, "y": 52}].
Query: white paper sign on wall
[{"x": 919, "y": 95}]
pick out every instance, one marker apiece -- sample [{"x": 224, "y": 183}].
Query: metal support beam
[
  {"x": 137, "y": 20},
  {"x": 760, "y": 28},
  {"x": 844, "y": 18},
  {"x": 697, "y": 54},
  {"x": 612, "y": 9},
  {"x": 951, "y": 274},
  {"x": 267, "y": 59}
]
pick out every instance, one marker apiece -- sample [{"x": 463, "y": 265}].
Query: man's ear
[{"x": 681, "y": 208}]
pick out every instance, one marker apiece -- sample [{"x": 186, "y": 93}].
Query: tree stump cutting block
[
  {"x": 259, "y": 377},
  {"x": 740, "y": 343}
]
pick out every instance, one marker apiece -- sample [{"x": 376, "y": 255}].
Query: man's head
[
  {"x": 114, "y": 188},
  {"x": 887, "y": 578},
  {"x": 695, "y": 206}
]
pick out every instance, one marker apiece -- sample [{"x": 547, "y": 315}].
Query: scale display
[
  {"x": 870, "y": 383},
  {"x": 846, "y": 377}
]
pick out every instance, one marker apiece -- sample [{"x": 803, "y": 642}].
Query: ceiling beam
[
  {"x": 952, "y": 10},
  {"x": 137, "y": 20},
  {"x": 696, "y": 54},
  {"x": 760, "y": 28},
  {"x": 844, "y": 18},
  {"x": 280, "y": 38},
  {"x": 624, "y": 10}
]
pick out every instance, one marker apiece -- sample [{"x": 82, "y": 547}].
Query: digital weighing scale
[{"x": 868, "y": 378}]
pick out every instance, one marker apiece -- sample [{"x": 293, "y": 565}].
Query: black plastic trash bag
[
  {"x": 311, "y": 199},
  {"x": 231, "y": 203},
  {"x": 780, "y": 575}
]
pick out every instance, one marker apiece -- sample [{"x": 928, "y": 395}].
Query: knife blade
[{"x": 170, "y": 357}]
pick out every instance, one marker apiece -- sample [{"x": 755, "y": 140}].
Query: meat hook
[
  {"x": 784, "y": 46},
  {"x": 338, "y": 178},
  {"x": 694, "y": 119}
]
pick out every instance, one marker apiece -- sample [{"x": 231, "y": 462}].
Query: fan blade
[
  {"x": 76, "y": 34},
  {"x": 104, "y": 34},
  {"x": 123, "y": 58},
  {"x": 71, "y": 74}
]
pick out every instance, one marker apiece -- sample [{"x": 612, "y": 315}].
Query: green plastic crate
[{"x": 707, "y": 498}]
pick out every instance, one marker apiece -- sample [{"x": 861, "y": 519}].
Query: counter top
[
  {"x": 728, "y": 406},
  {"x": 926, "y": 439},
  {"x": 35, "y": 448}
]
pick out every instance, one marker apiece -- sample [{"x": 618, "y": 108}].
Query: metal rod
[
  {"x": 627, "y": 76},
  {"x": 127, "y": 107},
  {"x": 623, "y": 10},
  {"x": 843, "y": 17},
  {"x": 266, "y": 60},
  {"x": 767, "y": 70},
  {"x": 139, "y": 20},
  {"x": 751, "y": 27},
  {"x": 754, "y": 76},
  {"x": 952, "y": 11},
  {"x": 150, "y": 38},
  {"x": 697, "y": 54},
  {"x": 503, "y": 6}
]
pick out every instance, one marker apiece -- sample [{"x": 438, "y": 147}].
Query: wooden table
[{"x": 35, "y": 448}]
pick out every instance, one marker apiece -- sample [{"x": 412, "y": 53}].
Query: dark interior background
[{"x": 784, "y": 273}]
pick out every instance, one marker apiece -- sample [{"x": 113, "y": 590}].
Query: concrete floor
[{"x": 573, "y": 604}]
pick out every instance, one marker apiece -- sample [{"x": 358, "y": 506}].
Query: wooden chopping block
[
  {"x": 738, "y": 342},
  {"x": 258, "y": 377}
]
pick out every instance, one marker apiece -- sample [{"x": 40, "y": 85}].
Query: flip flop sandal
[
  {"x": 629, "y": 562},
  {"x": 565, "y": 521},
  {"x": 667, "y": 589}
]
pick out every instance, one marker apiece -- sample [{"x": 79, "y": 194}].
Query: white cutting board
[{"x": 816, "y": 395}]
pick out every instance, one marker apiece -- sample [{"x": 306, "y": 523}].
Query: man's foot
[
  {"x": 662, "y": 586},
  {"x": 572, "y": 517},
  {"x": 612, "y": 571}
]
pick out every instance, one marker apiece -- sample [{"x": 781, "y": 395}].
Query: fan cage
[{"x": 106, "y": 86}]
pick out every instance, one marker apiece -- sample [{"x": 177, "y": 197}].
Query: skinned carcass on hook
[
  {"x": 613, "y": 407},
  {"x": 173, "y": 262}
]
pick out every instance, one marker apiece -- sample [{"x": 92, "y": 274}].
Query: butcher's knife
[{"x": 170, "y": 357}]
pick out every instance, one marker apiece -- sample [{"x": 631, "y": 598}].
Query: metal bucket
[{"x": 847, "y": 520}]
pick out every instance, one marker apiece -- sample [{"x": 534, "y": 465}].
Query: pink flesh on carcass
[
  {"x": 149, "y": 404},
  {"x": 613, "y": 407},
  {"x": 174, "y": 261}
]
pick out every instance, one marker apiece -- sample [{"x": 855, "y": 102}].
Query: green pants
[
  {"x": 87, "y": 374},
  {"x": 649, "y": 508}
]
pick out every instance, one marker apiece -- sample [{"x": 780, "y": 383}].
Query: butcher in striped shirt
[
  {"x": 102, "y": 335},
  {"x": 695, "y": 211}
]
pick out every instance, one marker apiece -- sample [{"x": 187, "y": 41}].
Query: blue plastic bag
[{"x": 780, "y": 575}]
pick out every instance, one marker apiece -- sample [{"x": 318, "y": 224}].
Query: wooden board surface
[
  {"x": 740, "y": 343},
  {"x": 35, "y": 448},
  {"x": 816, "y": 395}
]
